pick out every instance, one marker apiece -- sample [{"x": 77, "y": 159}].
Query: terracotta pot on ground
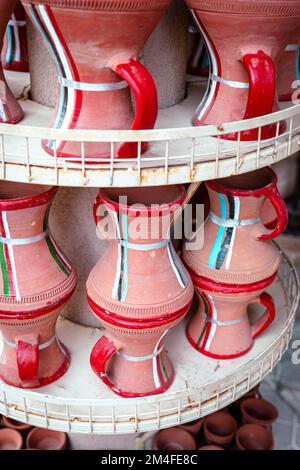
[
  {"x": 96, "y": 45},
  {"x": 46, "y": 439},
  {"x": 211, "y": 447},
  {"x": 174, "y": 439},
  {"x": 243, "y": 72},
  {"x": 254, "y": 437},
  {"x": 10, "y": 423},
  {"x": 10, "y": 110},
  {"x": 220, "y": 428},
  {"x": 10, "y": 439},
  {"x": 194, "y": 427},
  {"x": 14, "y": 52},
  {"x": 258, "y": 411}
]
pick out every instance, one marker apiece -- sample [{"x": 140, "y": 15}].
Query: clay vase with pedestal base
[
  {"x": 243, "y": 60},
  {"x": 14, "y": 52},
  {"x": 139, "y": 288},
  {"x": 36, "y": 281},
  {"x": 221, "y": 328},
  {"x": 10, "y": 110},
  {"x": 289, "y": 71},
  {"x": 237, "y": 247},
  {"x": 95, "y": 46}
]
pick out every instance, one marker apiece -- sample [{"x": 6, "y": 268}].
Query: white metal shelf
[
  {"x": 178, "y": 153},
  {"x": 80, "y": 403}
]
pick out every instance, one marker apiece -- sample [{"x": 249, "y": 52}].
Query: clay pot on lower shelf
[
  {"x": 45, "y": 439},
  {"x": 254, "y": 437},
  {"x": 10, "y": 439},
  {"x": 220, "y": 428},
  {"x": 194, "y": 427},
  {"x": 174, "y": 439},
  {"x": 259, "y": 412},
  {"x": 211, "y": 447},
  {"x": 10, "y": 423}
]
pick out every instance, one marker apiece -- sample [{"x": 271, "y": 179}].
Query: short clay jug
[
  {"x": 289, "y": 70},
  {"x": 46, "y": 439},
  {"x": 220, "y": 428},
  {"x": 258, "y": 411},
  {"x": 254, "y": 437},
  {"x": 139, "y": 289},
  {"x": 237, "y": 247},
  {"x": 10, "y": 439},
  {"x": 14, "y": 52},
  {"x": 221, "y": 328},
  {"x": 23, "y": 428},
  {"x": 36, "y": 281},
  {"x": 194, "y": 427},
  {"x": 95, "y": 45},
  {"x": 243, "y": 60},
  {"x": 174, "y": 439},
  {"x": 10, "y": 110}
]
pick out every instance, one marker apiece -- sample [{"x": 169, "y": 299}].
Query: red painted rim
[
  {"x": 222, "y": 287},
  {"x": 136, "y": 323},
  {"x": 215, "y": 185},
  {"x": 28, "y": 201}
]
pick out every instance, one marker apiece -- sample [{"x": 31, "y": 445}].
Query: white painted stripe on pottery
[
  {"x": 229, "y": 223},
  {"x": 292, "y": 47},
  {"x": 41, "y": 346},
  {"x": 176, "y": 272},
  {"x": 17, "y": 51},
  {"x": 11, "y": 256},
  {"x": 23, "y": 241},
  {"x": 237, "y": 207},
  {"x": 230, "y": 83},
  {"x": 223, "y": 323},
  {"x": 119, "y": 259},
  {"x": 213, "y": 324},
  {"x": 140, "y": 358},
  {"x": 82, "y": 86},
  {"x": 144, "y": 246},
  {"x": 154, "y": 361}
]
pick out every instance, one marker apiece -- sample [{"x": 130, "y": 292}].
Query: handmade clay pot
[
  {"x": 37, "y": 280},
  {"x": 10, "y": 110},
  {"x": 10, "y": 439},
  {"x": 237, "y": 247},
  {"x": 174, "y": 439},
  {"x": 260, "y": 412},
  {"x": 14, "y": 52},
  {"x": 243, "y": 60},
  {"x": 46, "y": 439},
  {"x": 219, "y": 428},
  {"x": 194, "y": 427},
  {"x": 95, "y": 46},
  {"x": 139, "y": 289},
  {"x": 254, "y": 437},
  {"x": 289, "y": 70},
  {"x": 221, "y": 328},
  {"x": 10, "y": 423}
]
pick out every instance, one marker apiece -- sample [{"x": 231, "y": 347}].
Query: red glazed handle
[
  {"x": 262, "y": 84},
  {"x": 27, "y": 359},
  {"x": 277, "y": 202},
  {"x": 103, "y": 350},
  {"x": 266, "y": 318},
  {"x": 145, "y": 94}
]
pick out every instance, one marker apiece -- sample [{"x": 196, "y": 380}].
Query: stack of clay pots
[
  {"x": 235, "y": 264},
  {"x": 16, "y": 436},
  {"x": 245, "y": 425}
]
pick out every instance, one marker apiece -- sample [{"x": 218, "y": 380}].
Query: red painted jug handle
[
  {"x": 266, "y": 318},
  {"x": 262, "y": 84},
  {"x": 277, "y": 202},
  {"x": 27, "y": 358},
  {"x": 145, "y": 94},
  {"x": 103, "y": 350}
]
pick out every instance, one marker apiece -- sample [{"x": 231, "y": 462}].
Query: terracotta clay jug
[
  {"x": 14, "y": 52},
  {"x": 237, "y": 247},
  {"x": 289, "y": 70},
  {"x": 36, "y": 281},
  {"x": 10, "y": 110},
  {"x": 243, "y": 60},
  {"x": 139, "y": 289},
  {"x": 221, "y": 328},
  {"x": 95, "y": 45}
]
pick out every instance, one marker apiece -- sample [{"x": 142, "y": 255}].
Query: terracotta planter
[
  {"x": 10, "y": 423},
  {"x": 254, "y": 437},
  {"x": 211, "y": 447},
  {"x": 221, "y": 328},
  {"x": 220, "y": 428},
  {"x": 46, "y": 439},
  {"x": 10, "y": 110},
  {"x": 260, "y": 412},
  {"x": 289, "y": 69},
  {"x": 194, "y": 427},
  {"x": 139, "y": 289},
  {"x": 36, "y": 281},
  {"x": 174, "y": 439},
  {"x": 244, "y": 61},
  {"x": 95, "y": 46},
  {"x": 14, "y": 52},
  {"x": 237, "y": 247},
  {"x": 10, "y": 439}
]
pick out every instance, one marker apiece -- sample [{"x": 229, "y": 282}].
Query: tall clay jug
[{"x": 14, "y": 52}]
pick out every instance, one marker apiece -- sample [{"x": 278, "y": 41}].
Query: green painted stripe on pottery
[
  {"x": 6, "y": 289},
  {"x": 50, "y": 245},
  {"x": 163, "y": 365},
  {"x": 206, "y": 321}
]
